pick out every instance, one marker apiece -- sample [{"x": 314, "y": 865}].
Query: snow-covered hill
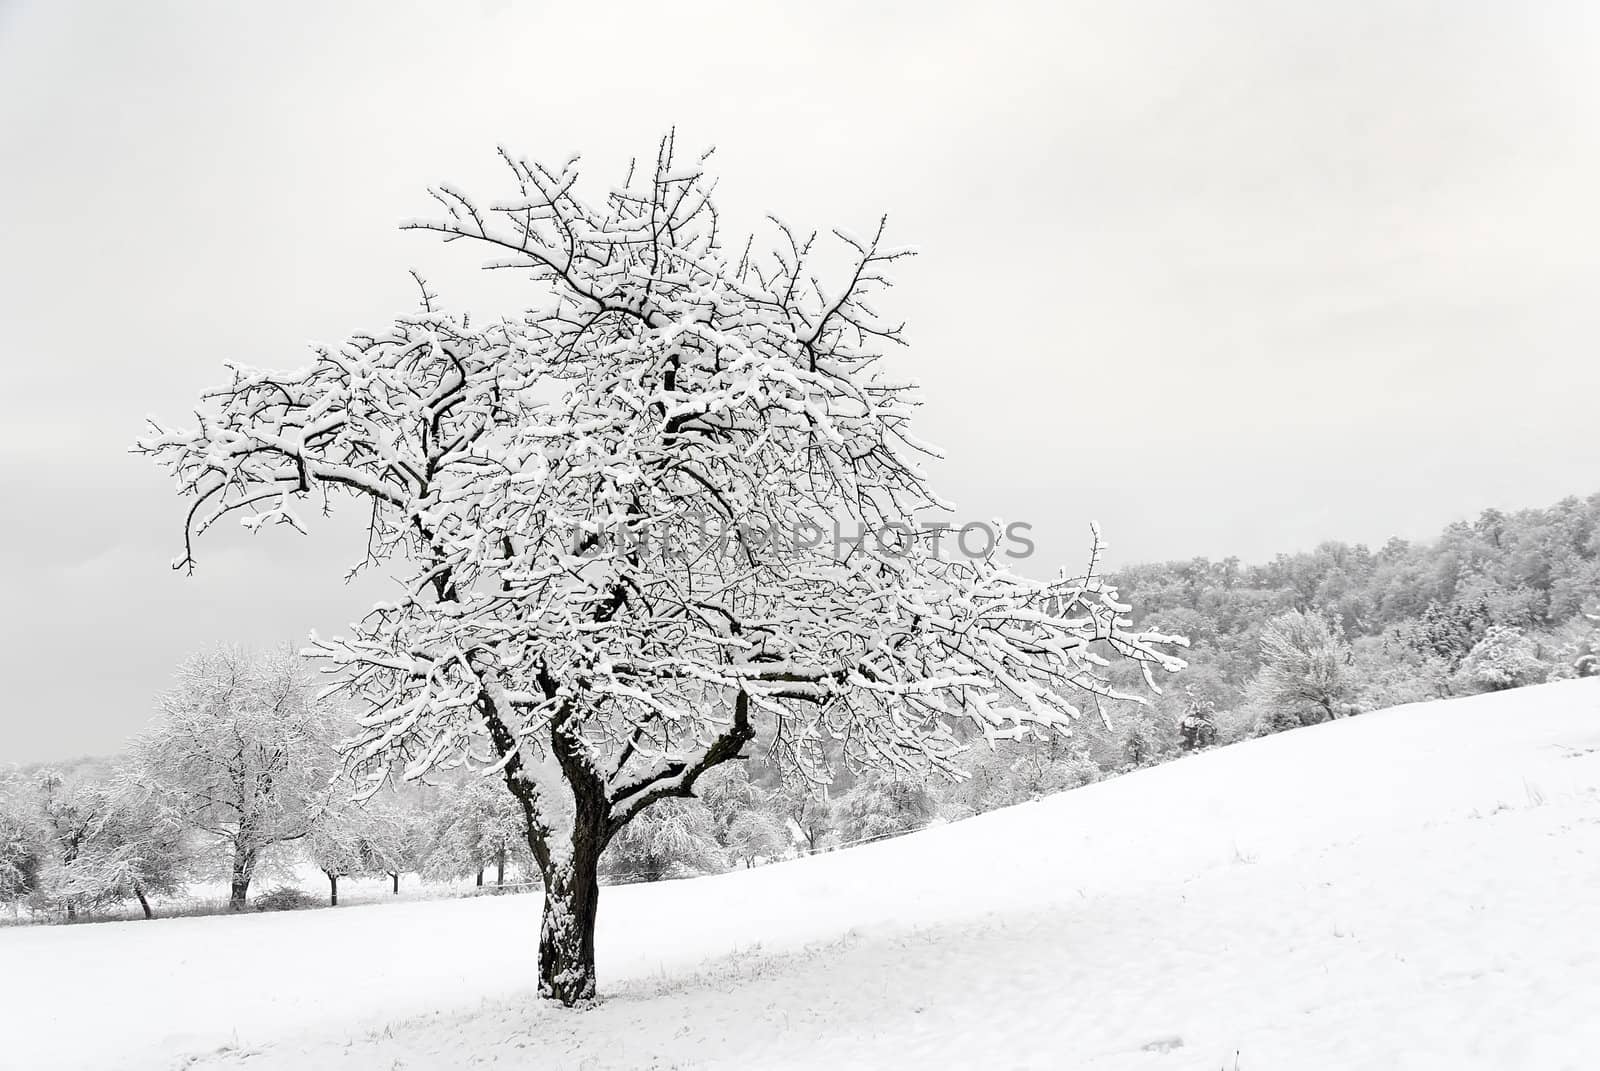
[{"x": 1415, "y": 888}]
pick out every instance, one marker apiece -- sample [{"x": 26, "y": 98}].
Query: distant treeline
[{"x": 1492, "y": 603}]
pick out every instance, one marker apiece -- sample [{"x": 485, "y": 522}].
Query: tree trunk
[
  {"x": 143, "y": 902},
  {"x": 566, "y": 935},
  {"x": 72, "y": 911},
  {"x": 333, "y": 888},
  {"x": 396, "y": 877},
  {"x": 244, "y": 865},
  {"x": 480, "y": 877},
  {"x": 500, "y": 868}
]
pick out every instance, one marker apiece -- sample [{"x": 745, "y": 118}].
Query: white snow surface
[{"x": 1413, "y": 888}]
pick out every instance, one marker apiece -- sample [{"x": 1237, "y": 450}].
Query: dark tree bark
[
  {"x": 480, "y": 877},
  {"x": 244, "y": 867},
  {"x": 333, "y": 888},
  {"x": 396, "y": 876},
  {"x": 569, "y": 858},
  {"x": 571, "y": 907},
  {"x": 500, "y": 868},
  {"x": 144, "y": 903}
]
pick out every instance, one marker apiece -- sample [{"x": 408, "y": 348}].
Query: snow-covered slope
[{"x": 1415, "y": 888}]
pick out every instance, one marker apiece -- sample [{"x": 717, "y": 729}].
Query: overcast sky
[{"x": 1229, "y": 278}]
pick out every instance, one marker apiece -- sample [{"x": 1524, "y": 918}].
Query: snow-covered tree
[
  {"x": 807, "y": 812},
  {"x": 614, "y": 507},
  {"x": 883, "y": 803},
  {"x": 728, "y": 792},
  {"x": 243, "y": 751},
  {"x": 1144, "y": 737},
  {"x": 1304, "y": 674},
  {"x": 1015, "y": 772},
  {"x": 350, "y": 838},
  {"x": 1197, "y": 729},
  {"x": 477, "y": 825},
  {"x": 407, "y": 849},
  {"x": 1505, "y": 657},
  {"x": 677, "y": 839},
  {"x": 137, "y": 849},
  {"x": 23, "y": 854},
  {"x": 70, "y": 815},
  {"x": 755, "y": 835}
]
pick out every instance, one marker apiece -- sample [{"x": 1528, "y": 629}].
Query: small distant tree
[
  {"x": 138, "y": 849},
  {"x": 806, "y": 811},
  {"x": 409, "y": 848},
  {"x": 70, "y": 817},
  {"x": 606, "y": 504},
  {"x": 1198, "y": 728},
  {"x": 352, "y": 838},
  {"x": 675, "y": 840},
  {"x": 755, "y": 835},
  {"x": 987, "y": 786},
  {"x": 728, "y": 793},
  {"x": 476, "y": 826},
  {"x": 1304, "y": 674},
  {"x": 242, "y": 750},
  {"x": 1146, "y": 736},
  {"x": 883, "y": 804}
]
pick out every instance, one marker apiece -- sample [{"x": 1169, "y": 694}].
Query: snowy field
[{"x": 1415, "y": 888}]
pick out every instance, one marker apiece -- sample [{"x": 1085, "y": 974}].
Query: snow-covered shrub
[
  {"x": 1039, "y": 768},
  {"x": 1583, "y": 645},
  {"x": 1506, "y": 657},
  {"x": 285, "y": 898}
]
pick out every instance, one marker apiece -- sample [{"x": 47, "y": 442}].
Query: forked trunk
[
  {"x": 566, "y": 934},
  {"x": 333, "y": 888}
]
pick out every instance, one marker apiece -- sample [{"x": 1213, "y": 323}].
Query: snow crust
[{"x": 1414, "y": 888}]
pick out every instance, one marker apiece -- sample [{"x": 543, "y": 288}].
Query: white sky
[{"x": 1231, "y": 278}]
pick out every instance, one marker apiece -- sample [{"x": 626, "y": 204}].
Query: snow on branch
[{"x": 545, "y": 482}]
